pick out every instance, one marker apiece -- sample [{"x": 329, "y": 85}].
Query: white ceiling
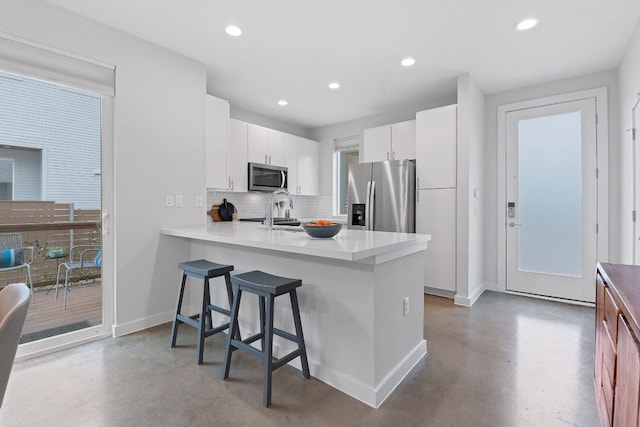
[{"x": 292, "y": 49}]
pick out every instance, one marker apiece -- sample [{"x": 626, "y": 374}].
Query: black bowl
[{"x": 322, "y": 231}]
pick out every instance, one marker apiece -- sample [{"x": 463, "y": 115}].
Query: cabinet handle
[
  {"x": 229, "y": 184},
  {"x": 298, "y": 189},
  {"x": 393, "y": 155},
  {"x": 418, "y": 182},
  {"x": 387, "y": 155},
  {"x": 265, "y": 159},
  {"x": 269, "y": 158}
]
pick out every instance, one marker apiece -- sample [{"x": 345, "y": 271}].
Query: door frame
[
  {"x": 602, "y": 164},
  {"x": 107, "y": 170}
]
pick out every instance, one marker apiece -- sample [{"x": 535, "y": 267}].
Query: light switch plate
[
  {"x": 198, "y": 201},
  {"x": 168, "y": 201},
  {"x": 179, "y": 201}
]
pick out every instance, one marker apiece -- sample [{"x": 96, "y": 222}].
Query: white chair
[
  {"x": 13, "y": 256},
  {"x": 80, "y": 256},
  {"x": 14, "y": 303}
]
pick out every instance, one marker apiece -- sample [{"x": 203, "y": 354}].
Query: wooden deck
[{"x": 48, "y": 317}]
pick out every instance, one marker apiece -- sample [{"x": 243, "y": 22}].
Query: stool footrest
[
  {"x": 189, "y": 320},
  {"x": 285, "y": 359},
  {"x": 285, "y": 334},
  {"x": 241, "y": 345},
  {"x": 220, "y": 310}
]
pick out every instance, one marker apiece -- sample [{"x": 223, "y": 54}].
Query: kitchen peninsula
[{"x": 361, "y": 300}]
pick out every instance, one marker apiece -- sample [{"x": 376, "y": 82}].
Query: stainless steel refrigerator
[{"x": 382, "y": 196}]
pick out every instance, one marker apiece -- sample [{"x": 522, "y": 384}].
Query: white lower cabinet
[
  {"x": 436, "y": 215},
  {"x": 237, "y": 169}
]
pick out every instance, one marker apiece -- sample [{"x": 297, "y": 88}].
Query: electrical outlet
[
  {"x": 168, "y": 201},
  {"x": 198, "y": 201},
  {"x": 406, "y": 306},
  {"x": 179, "y": 201}
]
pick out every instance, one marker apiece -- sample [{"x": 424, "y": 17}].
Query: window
[
  {"x": 346, "y": 153},
  {"x": 6, "y": 179}
]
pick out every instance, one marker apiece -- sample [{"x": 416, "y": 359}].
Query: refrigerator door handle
[
  {"x": 367, "y": 206},
  {"x": 284, "y": 179},
  {"x": 372, "y": 205}
]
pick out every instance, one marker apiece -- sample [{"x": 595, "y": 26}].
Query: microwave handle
[{"x": 284, "y": 179}]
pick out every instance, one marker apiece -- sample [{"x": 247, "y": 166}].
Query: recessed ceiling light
[
  {"x": 234, "y": 31},
  {"x": 282, "y": 102},
  {"x": 408, "y": 62},
  {"x": 334, "y": 85},
  {"x": 527, "y": 24}
]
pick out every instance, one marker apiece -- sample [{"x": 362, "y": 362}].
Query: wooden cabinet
[
  {"x": 237, "y": 156},
  {"x": 302, "y": 157},
  {"x": 217, "y": 131},
  {"x": 436, "y": 140},
  {"x": 390, "y": 142},
  {"x": 436, "y": 215},
  {"x": 265, "y": 145},
  {"x": 617, "y": 350}
]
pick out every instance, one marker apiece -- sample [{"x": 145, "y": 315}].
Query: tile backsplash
[{"x": 254, "y": 204}]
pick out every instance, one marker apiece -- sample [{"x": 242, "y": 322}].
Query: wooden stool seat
[
  {"x": 266, "y": 287},
  {"x": 205, "y": 270}
]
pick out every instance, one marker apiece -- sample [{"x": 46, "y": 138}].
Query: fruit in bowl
[{"x": 322, "y": 228}]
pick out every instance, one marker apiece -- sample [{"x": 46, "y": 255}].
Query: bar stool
[
  {"x": 202, "y": 269},
  {"x": 266, "y": 287}
]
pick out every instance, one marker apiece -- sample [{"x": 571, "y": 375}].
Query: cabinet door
[
  {"x": 257, "y": 144},
  {"x": 403, "y": 140},
  {"x": 275, "y": 147},
  {"x": 377, "y": 144},
  {"x": 217, "y": 122},
  {"x": 625, "y": 410},
  {"x": 436, "y": 137},
  {"x": 436, "y": 215},
  {"x": 238, "y": 134},
  {"x": 291, "y": 162},
  {"x": 308, "y": 167}
]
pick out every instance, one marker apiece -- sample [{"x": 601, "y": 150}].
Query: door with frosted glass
[{"x": 551, "y": 212}]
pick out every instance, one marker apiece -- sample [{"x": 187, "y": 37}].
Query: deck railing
[{"x": 46, "y": 226}]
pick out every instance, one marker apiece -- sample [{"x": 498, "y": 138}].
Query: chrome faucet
[{"x": 272, "y": 204}]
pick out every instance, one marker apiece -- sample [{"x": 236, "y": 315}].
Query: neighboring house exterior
[{"x": 49, "y": 142}]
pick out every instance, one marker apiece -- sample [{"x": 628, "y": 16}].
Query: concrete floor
[{"x": 507, "y": 361}]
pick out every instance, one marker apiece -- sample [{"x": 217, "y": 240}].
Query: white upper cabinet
[
  {"x": 377, "y": 144},
  {"x": 217, "y": 131},
  {"x": 403, "y": 140},
  {"x": 308, "y": 154},
  {"x": 265, "y": 145},
  {"x": 390, "y": 142},
  {"x": 436, "y": 137},
  {"x": 237, "y": 163},
  {"x": 302, "y": 158}
]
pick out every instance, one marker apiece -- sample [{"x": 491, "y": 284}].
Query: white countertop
[{"x": 351, "y": 245}]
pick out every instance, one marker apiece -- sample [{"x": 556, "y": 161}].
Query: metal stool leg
[
  {"x": 268, "y": 349},
  {"x": 234, "y": 327},
  {"x": 205, "y": 315},
  {"x": 176, "y": 322},
  {"x": 298, "y": 325}
]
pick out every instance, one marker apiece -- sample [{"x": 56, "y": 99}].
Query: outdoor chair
[
  {"x": 12, "y": 255},
  {"x": 80, "y": 257},
  {"x": 14, "y": 303}
]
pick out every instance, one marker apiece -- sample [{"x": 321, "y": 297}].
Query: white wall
[
  {"x": 327, "y": 134},
  {"x": 606, "y": 79},
  {"x": 470, "y": 192},
  {"x": 158, "y": 149},
  {"x": 629, "y": 80}
]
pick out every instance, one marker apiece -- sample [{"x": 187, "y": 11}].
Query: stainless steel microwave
[{"x": 266, "y": 177}]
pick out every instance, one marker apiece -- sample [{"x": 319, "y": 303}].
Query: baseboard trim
[
  {"x": 439, "y": 292},
  {"x": 565, "y": 301},
  {"x": 144, "y": 323},
  {"x": 469, "y": 301}
]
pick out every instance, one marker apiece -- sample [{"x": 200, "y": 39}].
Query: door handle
[
  {"x": 513, "y": 224},
  {"x": 367, "y": 206}
]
